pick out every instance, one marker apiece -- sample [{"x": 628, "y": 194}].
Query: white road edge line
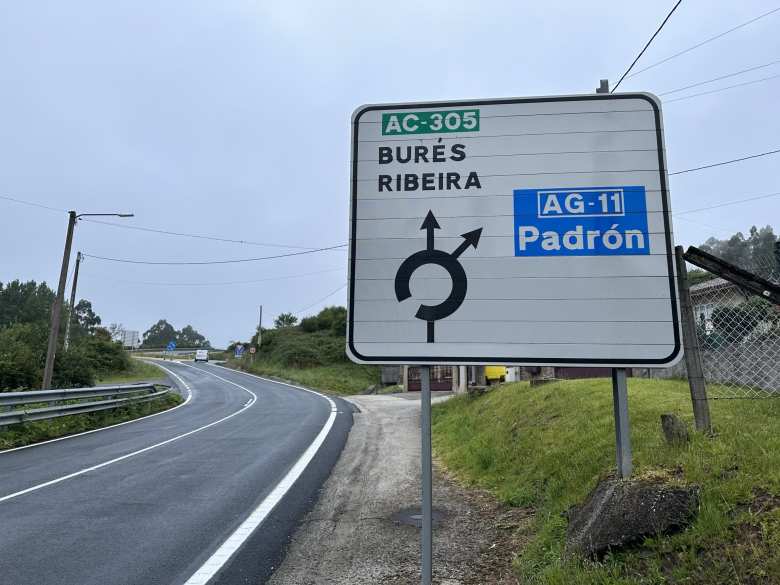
[
  {"x": 233, "y": 542},
  {"x": 127, "y": 422},
  {"x": 138, "y": 452}
]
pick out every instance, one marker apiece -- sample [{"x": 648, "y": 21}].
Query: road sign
[
  {"x": 520, "y": 231},
  {"x": 252, "y": 349},
  {"x": 238, "y": 351},
  {"x": 171, "y": 346}
]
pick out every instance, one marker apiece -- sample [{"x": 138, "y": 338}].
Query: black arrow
[
  {"x": 430, "y": 224},
  {"x": 469, "y": 239}
]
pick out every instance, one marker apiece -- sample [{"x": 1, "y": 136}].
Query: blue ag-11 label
[{"x": 591, "y": 221}]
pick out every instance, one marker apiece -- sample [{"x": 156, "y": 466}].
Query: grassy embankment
[
  {"x": 547, "y": 447},
  {"x": 343, "y": 378},
  {"x": 36, "y": 431},
  {"x": 137, "y": 372},
  {"x": 313, "y": 358}
]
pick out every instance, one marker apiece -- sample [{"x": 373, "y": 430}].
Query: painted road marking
[
  {"x": 228, "y": 548},
  {"x": 127, "y": 422},
  {"x": 138, "y": 452}
]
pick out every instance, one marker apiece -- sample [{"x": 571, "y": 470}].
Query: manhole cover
[{"x": 413, "y": 517}]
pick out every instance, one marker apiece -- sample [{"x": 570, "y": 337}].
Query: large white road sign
[{"x": 520, "y": 231}]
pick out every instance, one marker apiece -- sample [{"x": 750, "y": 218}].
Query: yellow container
[{"x": 495, "y": 373}]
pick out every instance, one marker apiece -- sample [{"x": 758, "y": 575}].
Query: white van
[{"x": 202, "y": 355}]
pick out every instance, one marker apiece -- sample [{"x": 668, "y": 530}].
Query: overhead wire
[
  {"x": 229, "y": 283},
  {"x": 744, "y": 83},
  {"x": 704, "y": 42},
  {"x": 325, "y": 298},
  {"x": 642, "y": 52},
  {"x": 160, "y": 231},
  {"x": 714, "y": 79},
  {"x": 198, "y": 236},
  {"x": 726, "y": 162},
  {"x": 33, "y": 204},
  {"x": 204, "y": 262},
  {"x": 726, "y": 204}
]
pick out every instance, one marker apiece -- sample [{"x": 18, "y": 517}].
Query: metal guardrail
[{"x": 115, "y": 396}]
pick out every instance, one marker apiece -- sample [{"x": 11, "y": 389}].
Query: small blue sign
[
  {"x": 171, "y": 346},
  {"x": 238, "y": 351},
  {"x": 587, "y": 221}
]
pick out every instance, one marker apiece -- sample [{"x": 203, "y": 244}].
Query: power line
[
  {"x": 212, "y": 283},
  {"x": 197, "y": 236},
  {"x": 721, "y": 77},
  {"x": 160, "y": 231},
  {"x": 717, "y": 228},
  {"x": 704, "y": 42},
  {"x": 326, "y": 297},
  {"x": 687, "y": 97},
  {"x": 203, "y": 262},
  {"x": 642, "y": 52},
  {"x": 726, "y": 162},
  {"x": 33, "y": 204},
  {"x": 726, "y": 204}
]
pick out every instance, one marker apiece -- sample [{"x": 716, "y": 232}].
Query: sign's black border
[{"x": 504, "y": 360}]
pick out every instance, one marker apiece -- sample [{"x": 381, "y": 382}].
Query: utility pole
[
  {"x": 71, "y": 314},
  {"x": 693, "y": 363},
  {"x": 56, "y": 308},
  {"x": 260, "y": 327}
]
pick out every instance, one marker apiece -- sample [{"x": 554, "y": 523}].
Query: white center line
[{"x": 138, "y": 452}]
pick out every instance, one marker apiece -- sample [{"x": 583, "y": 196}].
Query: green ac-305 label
[{"x": 430, "y": 122}]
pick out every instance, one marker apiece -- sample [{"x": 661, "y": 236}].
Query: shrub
[{"x": 21, "y": 366}]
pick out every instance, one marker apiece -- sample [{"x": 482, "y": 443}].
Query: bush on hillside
[
  {"x": 21, "y": 362},
  {"x": 73, "y": 369},
  {"x": 105, "y": 356},
  {"x": 332, "y": 320},
  {"x": 294, "y": 347}
]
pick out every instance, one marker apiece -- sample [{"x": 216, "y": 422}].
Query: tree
[
  {"x": 754, "y": 253},
  {"x": 25, "y": 311},
  {"x": 159, "y": 334},
  {"x": 189, "y": 337},
  {"x": 116, "y": 329},
  {"x": 25, "y": 302},
  {"x": 85, "y": 321},
  {"x": 285, "y": 320}
]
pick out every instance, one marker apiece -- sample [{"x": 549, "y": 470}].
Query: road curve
[{"x": 151, "y": 502}]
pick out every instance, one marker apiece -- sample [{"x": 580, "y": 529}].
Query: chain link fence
[{"x": 739, "y": 336}]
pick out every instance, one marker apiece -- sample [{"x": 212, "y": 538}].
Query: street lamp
[{"x": 56, "y": 309}]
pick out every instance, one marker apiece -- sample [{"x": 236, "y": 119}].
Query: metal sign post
[
  {"x": 426, "y": 477},
  {"x": 623, "y": 453},
  {"x": 622, "y": 428}
]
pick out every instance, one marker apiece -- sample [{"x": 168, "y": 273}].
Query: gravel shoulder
[{"x": 358, "y": 533}]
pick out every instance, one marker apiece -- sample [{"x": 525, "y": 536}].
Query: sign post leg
[
  {"x": 426, "y": 536},
  {"x": 622, "y": 432}
]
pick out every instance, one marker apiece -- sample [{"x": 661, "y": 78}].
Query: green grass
[
  {"x": 547, "y": 447},
  {"x": 139, "y": 372},
  {"x": 34, "y": 432},
  {"x": 340, "y": 378}
]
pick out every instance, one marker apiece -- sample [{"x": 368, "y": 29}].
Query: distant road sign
[
  {"x": 252, "y": 349},
  {"x": 171, "y": 346},
  {"x": 239, "y": 351},
  {"x": 521, "y": 231}
]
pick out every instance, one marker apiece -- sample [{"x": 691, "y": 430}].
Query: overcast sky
[{"x": 231, "y": 119}]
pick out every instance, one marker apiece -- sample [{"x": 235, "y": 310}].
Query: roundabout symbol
[{"x": 450, "y": 263}]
